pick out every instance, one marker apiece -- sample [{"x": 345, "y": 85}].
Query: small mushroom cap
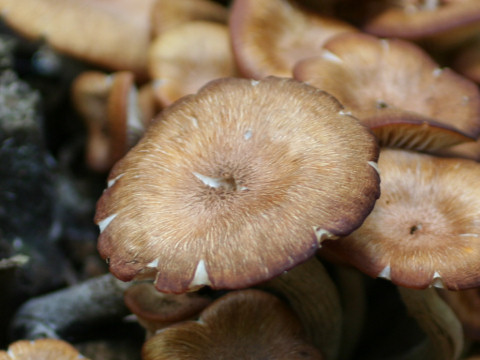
[
  {"x": 167, "y": 14},
  {"x": 156, "y": 310},
  {"x": 235, "y": 184},
  {"x": 379, "y": 79},
  {"x": 424, "y": 229},
  {"x": 420, "y": 19},
  {"x": 270, "y": 36},
  {"x": 186, "y": 57},
  {"x": 246, "y": 324},
  {"x": 41, "y": 349},
  {"x": 111, "y": 33}
]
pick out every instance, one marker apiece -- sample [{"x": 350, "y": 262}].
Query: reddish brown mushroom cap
[
  {"x": 467, "y": 60},
  {"x": 247, "y": 324},
  {"x": 233, "y": 185},
  {"x": 390, "y": 80},
  {"x": 424, "y": 229},
  {"x": 270, "y": 36},
  {"x": 156, "y": 310},
  {"x": 41, "y": 349},
  {"x": 419, "y": 19},
  {"x": 110, "y": 33}
]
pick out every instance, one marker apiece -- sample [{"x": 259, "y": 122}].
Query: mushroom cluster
[{"x": 249, "y": 145}]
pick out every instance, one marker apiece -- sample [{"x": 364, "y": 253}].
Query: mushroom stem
[
  {"x": 353, "y": 297},
  {"x": 444, "y": 332},
  {"x": 56, "y": 314},
  {"x": 312, "y": 294}
]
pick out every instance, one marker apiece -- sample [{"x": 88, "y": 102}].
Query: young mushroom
[
  {"x": 236, "y": 184},
  {"x": 110, "y": 108},
  {"x": 394, "y": 82},
  {"x": 424, "y": 229},
  {"x": 244, "y": 324},
  {"x": 155, "y": 310}
]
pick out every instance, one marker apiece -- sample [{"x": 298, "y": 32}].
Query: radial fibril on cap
[
  {"x": 233, "y": 185},
  {"x": 245, "y": 324},
  {"x": 186, "y": 57},
  {"x": 270, "y": 36},
  {"x": 379, "y": 79},
  {"x": 424, "y": 229}
]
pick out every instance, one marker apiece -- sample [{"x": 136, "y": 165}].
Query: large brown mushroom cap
[
  {"x": 111, "y": 33},
  {"x": 424, "y": 229},
  {"x": 379, "y": 79},
  {"x": 233, "y": 185},
  {"x": 247, "y": 324}
]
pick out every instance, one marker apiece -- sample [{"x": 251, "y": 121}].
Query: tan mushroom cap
[
  {"x": 270, "y": 36},
  {"x": 246, "y": 324},
  {"x": 111, "y": 33},
  {"x": 417, "y": 19},
  {"x": 167, "y": 14},
  {"x": 186, "y": 57},
  {"x": 381, "y": 80},
  {"x": 424, "y": 229},
  {"x": 41, "y": 349},
  {"x": 233, "y": 185}
]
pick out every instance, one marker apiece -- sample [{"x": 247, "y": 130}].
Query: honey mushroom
[{"x": 233, "y": 185}]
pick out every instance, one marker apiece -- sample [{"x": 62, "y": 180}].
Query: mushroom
[
  {"x": 394, "y": 82},
  {"x": 186, "y": 57},
  {"x": 466, "y": 305},
  {"x": 467, "y": 60},
  {"x": 167, "y": 14},
  {"x": 155, "y": 310},
  {"x": 270, "y": 36},
  {"x": 236, "y": 184},
  {"x": 110, "y": 109},
  {"x": 420, "y": 19},
  {"x": 41, "y": 349},
  {"x": 311, "y": 293},
  {"x": 111, "y": 33},
  {"x": 444, "y": 336},
  {"x": 424, "y": 229},
  {"x": 244, "y": 324}
]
